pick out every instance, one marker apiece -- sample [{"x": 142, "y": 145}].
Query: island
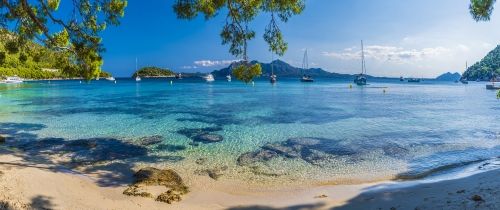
[
  {"x": 153, "y": 72},
  {"x": 448, "y": 76}
]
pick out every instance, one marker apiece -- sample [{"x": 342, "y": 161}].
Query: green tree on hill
[{"x": 153, "y": 72}]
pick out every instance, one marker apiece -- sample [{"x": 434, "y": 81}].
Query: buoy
[
  {"x": 171, "y": 82},
  {"x": 80, "y": 82},
  {"x": 350, "y": 86},
  {"x": 115, "y": 81}
]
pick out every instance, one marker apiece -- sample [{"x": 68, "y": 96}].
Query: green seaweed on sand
[{"x": 150, "y": 176}]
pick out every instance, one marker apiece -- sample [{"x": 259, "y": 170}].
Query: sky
[{"x": 411, "y": 38}]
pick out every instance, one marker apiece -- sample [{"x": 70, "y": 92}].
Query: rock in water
[
  {"x": 477, "y": 198},
  {"x": 252, "y": 157},
  {"x": 208, "y": 138},
  {"x": 150, "y": 140}
]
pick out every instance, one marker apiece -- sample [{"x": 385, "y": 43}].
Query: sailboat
[
  {"x": 137, "y": 77},
  {"x": 361, "y": 78},
  {"x": 209, "y": 77},
  {"x": 305, "y": 66},
  {"x": 273, "y": 77},
  {"x": 228, "y": 77},
  {"x": 462, "y": 79}
]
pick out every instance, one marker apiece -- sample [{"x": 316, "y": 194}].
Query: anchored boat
[
  {"x": 361, "y": 78},
  {"x": 305, "y": 66}
]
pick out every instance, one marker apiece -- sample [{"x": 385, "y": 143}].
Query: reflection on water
[{"x": 322, "y": 131}]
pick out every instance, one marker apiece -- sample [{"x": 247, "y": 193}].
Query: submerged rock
[
  {"x": 477, "y": 198},
  {"x": 203, "y": 135},
  {"x": 253, "y": 157},
  {"x": 150, "y": 140},
  {"x": 192, "y": 132},
  {"x": 208, "y": 138},
  {"x": 201, "y": 161},
  {"x": 316, "y": 151},
  {"x": 214, "y": 173}
]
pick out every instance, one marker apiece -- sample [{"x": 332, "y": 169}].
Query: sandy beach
[{"x": 28, "y": 184}]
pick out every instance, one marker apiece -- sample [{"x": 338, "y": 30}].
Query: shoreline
[{"x": 25, "y": 184}]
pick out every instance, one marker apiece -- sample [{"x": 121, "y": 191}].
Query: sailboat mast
[
  {"x": 363, "y": 68},
  {"x": 272, "y": 60},
  {"x": 136, "y": 64},
  {"x": 305, "y": 62}
]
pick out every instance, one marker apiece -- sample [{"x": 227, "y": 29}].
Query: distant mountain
[
  {"x": 283, "y": 69},
  {"x": 487, "y": 68},
  {"x": 448, "y": 76}
]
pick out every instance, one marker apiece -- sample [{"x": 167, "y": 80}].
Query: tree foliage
[
  {"x": 77, "y": 32},
  {"x": 481, "y": 9},
  {"x": 236, "y": 32},
  {"x": 246, "y": 72},
  {"x": 35, "y": 61}
]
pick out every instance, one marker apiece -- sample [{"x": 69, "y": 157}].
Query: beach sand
[{"x": 26, "y": 184}]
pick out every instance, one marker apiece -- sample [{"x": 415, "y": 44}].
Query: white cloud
[
  {"x": 189, "y": 67},
  {"x": 388, "y": 53},
  {"x": 210, "y": 63}
]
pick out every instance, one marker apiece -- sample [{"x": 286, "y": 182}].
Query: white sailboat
[
  {"x": 305, "y": 66},
  {"x": 361, "y": 78},
  {"x": 137, "y": 77},
  {"x": 209, "y": 77},
  {"x": 228, "y": 77},
  {"x": 273, "y": 77},
  {"x": 464, "y": 80}
]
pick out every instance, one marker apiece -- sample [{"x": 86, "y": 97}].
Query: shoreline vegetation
[{"x": 35, "y": 181}]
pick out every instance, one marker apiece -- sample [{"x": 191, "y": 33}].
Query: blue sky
[{"x": 419, "y": 38}]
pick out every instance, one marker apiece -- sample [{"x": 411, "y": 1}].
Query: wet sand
[{"x": 26, "y": 184}]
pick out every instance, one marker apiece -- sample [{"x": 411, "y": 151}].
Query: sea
[{"x": 329, "y": 131}]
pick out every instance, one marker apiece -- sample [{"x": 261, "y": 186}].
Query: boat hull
[{"x": 492, "y": 87}]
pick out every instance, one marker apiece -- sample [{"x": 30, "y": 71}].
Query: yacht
[
  {"x": 272, "y": 78},
  {"x": 110, "y": 78},
  {"x": 13, "y": 80},
  {"x": 413, "y": 80},
  {"x": 361, "y": 78},
  {"x": 228, "y": 77},
  {"x": 305, "y": 66},
  {"x": 137, "y": 77},
  {"x": 178, "y": 76},
  {"x": 209, "y": 78}
]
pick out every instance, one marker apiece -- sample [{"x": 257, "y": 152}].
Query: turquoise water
[{"x": 322, "y": 131}]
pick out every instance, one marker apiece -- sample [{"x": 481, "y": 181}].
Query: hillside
[
  {"x": 283, "y": 69},
  {"x": 448, "y": 76},
  {"x": 485, "y": 69},
  {"x": 34, "y": 62},
  {"x": 153, "y": 72}
]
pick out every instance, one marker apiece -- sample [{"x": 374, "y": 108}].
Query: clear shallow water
[{"x": 323, "y": 132}]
